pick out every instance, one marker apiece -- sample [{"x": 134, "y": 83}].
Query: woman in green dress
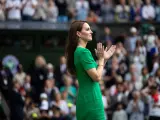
[{"x": 89, "y": 105}]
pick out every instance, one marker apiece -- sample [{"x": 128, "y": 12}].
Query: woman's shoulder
[{"x": 82, "y": 50}]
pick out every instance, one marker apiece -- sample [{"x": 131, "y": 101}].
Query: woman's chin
[{"x": 88, "y": 40}]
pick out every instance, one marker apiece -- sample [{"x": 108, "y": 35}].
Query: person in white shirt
[
  {"x": 28, "y": 9},
  {"x": 13, "y": 8},
  {"x": 148, "y": 11},
  {"x": 52, "y": 11},
  {"x": 82, "y": 8}
]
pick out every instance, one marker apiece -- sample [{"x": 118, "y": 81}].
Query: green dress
[{"x": 89, "y": 105}]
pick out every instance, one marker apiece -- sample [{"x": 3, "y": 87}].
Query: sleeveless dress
[{"x": 89, "y": 105}]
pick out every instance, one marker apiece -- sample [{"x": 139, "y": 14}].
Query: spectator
[
  {"x": 38, "y": 75},
  {"x": 122, "y": 12},
  {"x": 136, "y": 10},
  {"x": 62, "y": 8},
  {"x": 82, "y": 8},
  {"x": 152, "y": 95},
  {"x": 150, "y": 44},
  {"x": 157, "y": 75},
  {"x": 130, "y": 43},
  {"x": 20, "y": 75},
  {"x": 52, "y": 11},
  {"x": 40, "y": 13},
  {"x": 135, "y": 107},
  {"x": 92, "y": 17},
  {"x": 157, "y": 10},
  {"x": 5, "y": 80},
  {"x": 141, "y": 49},
  {"x": 30, "y": 90},
  {"x": 148, "y": 11},
  {"x": 2, "y": 10},
  {"x": 95, "y": 6},
  {"x": 118, "y": 96},
  {"x": 111, "y": 74},
  {"x": 60, "y": 70},
  {"x": 120, "y": 52},
  {"x": 120, "y": 113},
  {"x": 50, "y": 89},
  {"x": 107, "y": 11},
  {"x": 50, "y": 69},
  {"x": 13, "y": 8},
  {"x": 132, "y": 70},
  {"x": 71, "y": 10},
  {"x": 16, "y": 102},
  {"x": 69, "y": 88},
  {"x": 44, "y": 106},
  {"x": 28, "y": 9},
  {"x": 61, "y": 104},
  {"x": 144, "y": 75},
  {"x": 107, "y": 37}
]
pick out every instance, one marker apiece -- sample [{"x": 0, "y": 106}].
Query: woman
[{"x": 89, "y": 105}]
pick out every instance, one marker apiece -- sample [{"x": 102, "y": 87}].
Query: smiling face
[{"x": 86, "y": 33}]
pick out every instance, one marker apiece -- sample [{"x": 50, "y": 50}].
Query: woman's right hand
[{"x": 99, "y": 51}]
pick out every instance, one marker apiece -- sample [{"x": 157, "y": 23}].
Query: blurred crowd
[
  {"x": 130, "y": 85},
  {"x": 96, "y": 11}
]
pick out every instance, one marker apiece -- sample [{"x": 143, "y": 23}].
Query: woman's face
[{"x": 85, "y": 33}]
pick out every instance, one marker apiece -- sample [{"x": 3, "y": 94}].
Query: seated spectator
[
  {"x": 44, "y": 105},
  {"x": 30, "y": 90},
  {"x": 69, "y": 88},
  {"x": 31, "y": 109},
  {"x": 62, "y": 104},
  {"x": 20, "y": 75},
  {"x": 50, "y": 89},
  {"x": 50, "y": 70},
  {"x": 144, "y": 75}
]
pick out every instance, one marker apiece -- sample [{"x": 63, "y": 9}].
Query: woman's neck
[{"x": 82, "y": 44}]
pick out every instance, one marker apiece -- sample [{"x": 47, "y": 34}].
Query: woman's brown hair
[{"x": 72, "y": 43}]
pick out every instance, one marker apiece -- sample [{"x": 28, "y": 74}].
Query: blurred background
[{"x": 34, "y": 83}]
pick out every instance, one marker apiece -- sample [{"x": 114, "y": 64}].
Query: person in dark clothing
[
  {"x": 59, "y": 71},
  {"x": 16, "y": 102},
  {"x": 5, "y": 81},
  {"x": 38, "y": 73}
]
